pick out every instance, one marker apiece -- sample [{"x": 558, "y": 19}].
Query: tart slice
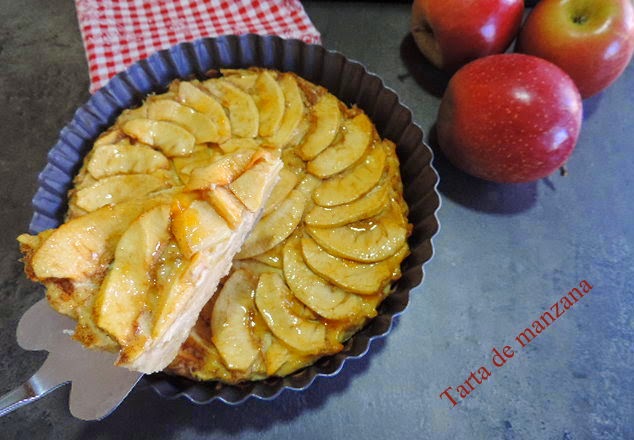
[{"x": 136, "y": 274}]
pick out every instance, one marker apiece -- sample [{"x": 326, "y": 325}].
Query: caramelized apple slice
[
  {"x": 198, "y": 227},
  {"x": 235, "y": 144},
  {"x": 116, "y": 189},
  {"x": 244, "y": 79},
  {"x": 272, "y": 257},
  {"x": 226, "y": 204},
  {"x": 123, "y": 294},
  {"x": 277, "y": 305},
  {"x": 192, "y": 95},
  {"x": 231, "y": 322},
  {"x": 367, "y": 241},
  {"x": 284, "y": 186},
  {"x": 124, "y": 158},
  {"x": 269, "y": 100},
  {"x": 276, "y": 354},
  {"x": 362, "y": 278},
  {"x": 221, "y": 172},
  {"x": 243, "y": 113},
  {"x": 170, "y": 138},
  {"x": 250, "y": 187},
  {"x": 255, "y": 267},
  {"x": 170, "y": 269},
  {"x": 357, "y": 135},
  {"x": 293, "y": 163},
  {"x": 83, "y": 246},
  {"x": 176, "y": 277},
  {"x": 201, "y": 157},
  {"x": 274, "y": 228},
  {"x": 354, "y": 182},
  {"x": 326, "y": 117},
  {"x": 300, "y": 133},
  {"x": 279, "y": 358},
  {"x": 112, "y": 136},
  {"x": 132, "y": 113},
  {"x": 307, "y": 185},
  {"x": 198, "y": 124},
  {"x": 324, "y": 299},
  {"x": 369, "y": 206},
  {"x": 293, "y": 114}
]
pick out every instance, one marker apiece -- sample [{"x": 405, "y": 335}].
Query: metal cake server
[{"x": 97, "y": 385}]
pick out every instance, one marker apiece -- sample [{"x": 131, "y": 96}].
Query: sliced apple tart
[{"x": 256, "y": 185}]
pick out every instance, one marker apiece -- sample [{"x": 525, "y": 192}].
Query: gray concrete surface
[{"x": 503, "y": 256}]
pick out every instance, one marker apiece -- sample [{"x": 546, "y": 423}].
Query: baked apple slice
[
  {"x": 272, "y": 257},
  {"x": 293, "y": 114},
  {"x": 285, "y": 317},
  {"x": 235, "y": 144},
  {"x": 200, "y": 158},
  {"x": 231, "y": 321},
  {"x": 111, "y": 136},
  {"x": 372, "y": 204},
  {"x": 326, "y": 300},
  {"x": 280, "y": 192},
  {"x": 274, "y": 228},
  {"x": 250, "y": 187},
  {"x": 125, "y": 158},
  {"x": 199, "y": 227},
  {"x": 307, "y": 185},
  {"x": 169, "y": 270},
  {"x": 353, "y": 182},
  {"x": 366, "y": 241},
  {"x": 243, "y": 113},
  {"x": 222, "y": 171},
  {"x": 226, "y": 204},
  {"x": 266, "y": 93},
  {"x": 121, "y": 187},
  {"x": 243, "y": 79},
  {"x": 279, "y": 358},
  {"x": 361, "y": 278},
  {"x": 198, "y": 124},
  {"x": 172, "y": 139},
  {"x": 356, "y": 138},
  {"x": 192, "y": 95},
  {"x": 326, "y": 117},
  {"x": 269, "y": 99}
]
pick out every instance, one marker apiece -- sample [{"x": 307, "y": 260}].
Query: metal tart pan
[{"x": 349, "y": 81}]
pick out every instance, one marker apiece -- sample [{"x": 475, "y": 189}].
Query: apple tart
[{"x": 256, "y": 185}]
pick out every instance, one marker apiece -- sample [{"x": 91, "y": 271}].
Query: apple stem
[
  {"x": 580, "y": 18},
  {"x": 563, "y": 171}
]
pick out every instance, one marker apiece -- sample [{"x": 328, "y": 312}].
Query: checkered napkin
[{"x": 117, "y": 33}]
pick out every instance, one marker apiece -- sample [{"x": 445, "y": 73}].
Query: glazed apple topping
[{"x": 190, "y": 182}]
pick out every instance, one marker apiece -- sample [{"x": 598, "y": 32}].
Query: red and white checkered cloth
[{"x": 117, "y": 33}]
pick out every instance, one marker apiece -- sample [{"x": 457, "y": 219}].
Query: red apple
[
  {"x": 509, "y": 118},
  {"x": 592, "y": 40},
  {"x": 450, "y": 33}
]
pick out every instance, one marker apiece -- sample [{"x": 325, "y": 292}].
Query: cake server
[{"x": 97, "y": 385}]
